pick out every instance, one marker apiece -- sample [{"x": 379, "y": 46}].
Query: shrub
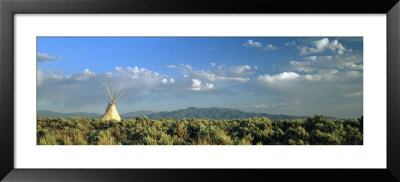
[{"x": 315, "y": 130}]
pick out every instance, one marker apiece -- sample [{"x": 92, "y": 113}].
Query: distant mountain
[
  {"x": 137, "y": 113},
  {"x": 47, "y": 113},
  {"x": 191, "y": 112},
  {"x": 217, "y": 113}
]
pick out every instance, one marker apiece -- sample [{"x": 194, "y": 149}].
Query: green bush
[{"x": 315, "y": 130}]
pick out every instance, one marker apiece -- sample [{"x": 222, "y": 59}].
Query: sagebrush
[{"x": 315, "y": 130}]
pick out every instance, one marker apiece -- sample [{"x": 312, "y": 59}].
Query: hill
[
  {"x": 136, "y": 113},
  {"x": 217, "y": 113},
  {"x": 191, "y": 112}
]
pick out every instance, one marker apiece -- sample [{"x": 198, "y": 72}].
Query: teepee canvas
[{"x": 111, "y": 111}]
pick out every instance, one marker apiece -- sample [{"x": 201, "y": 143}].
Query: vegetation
[{"x": 315, "y": 130}]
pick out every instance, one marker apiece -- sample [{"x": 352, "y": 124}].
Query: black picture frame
[{"x": 8, "y": 8}]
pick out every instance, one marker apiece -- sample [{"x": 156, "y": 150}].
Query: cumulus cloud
[
  {"x": 329, "y": 91},
  {"x": 322, "y": 75},
  {"x": 321, "y": 45},
  {"x": 84, "y": 89},
  {"x": 43, "y": 57},
  {"x": 197, "y": 85},
  {"x": 324, "y": 82},
  {"x": 208, "y": 86},
  {"x": 311, "y": 63},
  {"x": 300, "y": 66},
  {"x": 86, "y": 74},
  {"x": 278, "y": 77},
  {"x": 221, "y": 73},
  {"x": 251, "y": 43}
]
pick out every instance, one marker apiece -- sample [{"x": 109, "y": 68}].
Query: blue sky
[{"x": 280, "y": 75}]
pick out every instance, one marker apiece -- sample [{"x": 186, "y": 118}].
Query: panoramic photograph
[{"x": 199, "y": 91}]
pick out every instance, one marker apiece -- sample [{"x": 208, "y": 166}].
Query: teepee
[{"x": 111, "y": 111}]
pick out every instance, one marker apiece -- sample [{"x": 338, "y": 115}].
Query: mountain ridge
[{"x": 190, "y": 112}]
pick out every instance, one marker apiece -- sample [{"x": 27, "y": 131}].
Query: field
[{"x": 314, "y": 130}]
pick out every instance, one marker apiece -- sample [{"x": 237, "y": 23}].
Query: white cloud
[
  {"x": 352, "y": 65},
  {"x": 322, "y": 45},
  {"x": 255, "y": 67},
  {"x": 335, "y": 45},
  {"x": 43, "y": 57},
  {"x": 251, "y": 43},
  {"x": 135, "y": 73},
  {"x": 300, "y": 66},
  {"x": 239, "y": 70},
  {"x": 213, "y": 64},
  {"x": 235, "y": 79},
  {"x": 323, "y": 91},
  {"x": 312, "y": 63},
  {"x": 119, "y": 69},
  {"x": 85, "y": 89},
  {"x": 322, "y": 75},
  {"x": 188, "y": 66},
  {"x": 88, "y": 72},
  {"x": 181, "y": 67},
  {"x": 290, "y": 43},
  {"x": 54, "y": 75},
  {"x": 198, "y": 86},
  {"x": 221, "y": 73},
  {"x": 214, "y": 77},
  {"x": 208, "y": 86},
  {"x": 269, "y": 47},
  {"x": 312, "y": 58},
  {"x": 278, "y": 77}
]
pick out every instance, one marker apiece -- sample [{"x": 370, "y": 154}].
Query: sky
[{"x": 277, "y": 75}]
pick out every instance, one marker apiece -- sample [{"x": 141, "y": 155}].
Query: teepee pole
[
  {"x": 108, "y": 91},
  {"x": 119, "y": 96},
  {"x": 112, "y": 93}
]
